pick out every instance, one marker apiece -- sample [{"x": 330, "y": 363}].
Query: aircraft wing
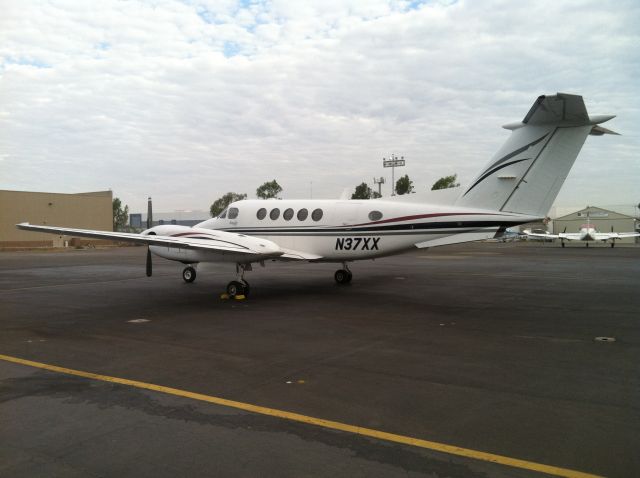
[
  {"x": 539, "y": 235},
  {"x": 569, "y": 236},
  {"x": 291, "y": 255},
  {"x": 605, "y": 236},
  {"x": 215, "y": 241}
]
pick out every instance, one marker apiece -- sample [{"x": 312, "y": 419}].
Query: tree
[
  {"x": 120, "y": 216},
  {"x": 268, "y": 190},
  {"x": 404, "y": 185},
  {"x": 445, "y": 183},
  {"x": 363, "y": 191},
  {"x": 221, "y": 204}
]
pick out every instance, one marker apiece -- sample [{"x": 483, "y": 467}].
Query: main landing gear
[
  {"x": 189, "y": 274},
  {"x": 240, "y": 286},
  {"x": 343, "y": 276}
]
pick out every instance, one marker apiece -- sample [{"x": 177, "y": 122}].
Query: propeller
[{"x": 149, "y": 266}]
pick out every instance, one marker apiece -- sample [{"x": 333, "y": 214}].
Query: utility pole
[
  {"x": 393, "y": 163},
  {"x": 379, "y": 182}
]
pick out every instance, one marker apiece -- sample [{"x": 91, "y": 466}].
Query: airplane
[
  {"x": 517, "y": 186},
  {"x": 586, "y": 233}
]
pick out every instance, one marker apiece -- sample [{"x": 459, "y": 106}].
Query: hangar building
[
  {"x": 602, "y": 219},
  {"x": 92, "y": 210}
]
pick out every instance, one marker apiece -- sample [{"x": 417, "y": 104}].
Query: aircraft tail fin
[{"x": 526, "y": 174}]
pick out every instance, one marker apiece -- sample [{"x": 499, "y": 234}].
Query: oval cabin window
[
  {"x": 302, "y": 214},
  {"x": 233, "y": 212},
  {"x": 316, "y": 215},
  {"x": 375, "y": 215},
  {"x": 262, "y": 213},
  {"x": 274, "y": 214},
  {"x": 287, "y": 214}
]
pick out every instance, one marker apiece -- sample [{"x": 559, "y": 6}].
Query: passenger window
[
  {"x": 302, "y": 214},
  {"x": 262, "y": 213},
  {"x": 375, "y": 215},
  {"x": 316, "y": 215},
  {"x": 288, "y": 214},
  {"x": 223, "y": 214},
  {"x": 233, "y": 213},
  {"x": 274, "y": 214}
]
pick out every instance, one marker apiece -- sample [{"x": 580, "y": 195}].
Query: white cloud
[{"x": 185, "y": 101}]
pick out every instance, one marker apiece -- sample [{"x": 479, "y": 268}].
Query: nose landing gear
[{"x": 189, "y": 274}]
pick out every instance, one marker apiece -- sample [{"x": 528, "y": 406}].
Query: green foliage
[
  {"x": 221, "y": 204},
  {"x": 404, "y": 185},
  {"x": 268, "y": 190},
  {"x": 445, "y": 183},
  {"x": 363, "y": 191},
  {"x": 120, "y": 216}
]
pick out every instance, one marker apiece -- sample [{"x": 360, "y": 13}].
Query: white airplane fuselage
[
  {"x": 587, "y": 233},
  {"x": 340, "y": 230}
]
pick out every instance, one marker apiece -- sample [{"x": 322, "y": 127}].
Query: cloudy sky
[{"x": 186, "y": 100}]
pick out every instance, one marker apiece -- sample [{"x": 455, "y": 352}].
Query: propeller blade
[{"x": 149, "y": 266}]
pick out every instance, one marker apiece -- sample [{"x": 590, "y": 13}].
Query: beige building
[
  {"x": 91, "y": 210},
  {"x": 602, "y": 219}
]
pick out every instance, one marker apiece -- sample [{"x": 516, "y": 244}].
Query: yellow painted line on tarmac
[{"x": 368, "y": 432}]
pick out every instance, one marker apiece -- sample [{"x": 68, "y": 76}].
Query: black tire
[
  {"x": 342, "y": 276},
  {"x": 189, "y": 274},
  {"x": 235, "y": 288}
]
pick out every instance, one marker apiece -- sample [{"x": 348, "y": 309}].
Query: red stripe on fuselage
[{"x": 423, "y": 216}]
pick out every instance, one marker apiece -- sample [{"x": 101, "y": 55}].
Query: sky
[{"x": 184, "y": 101}]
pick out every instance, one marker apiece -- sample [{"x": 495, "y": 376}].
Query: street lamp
[{"x": 393, "y": 163}]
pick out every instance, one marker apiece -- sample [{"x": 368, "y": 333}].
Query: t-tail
[{"x": 526, "y": 174}]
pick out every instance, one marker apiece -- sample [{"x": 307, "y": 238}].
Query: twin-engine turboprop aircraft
[
  {"x": 517, "y": 186},
  {"x": 587, "y": 233}
]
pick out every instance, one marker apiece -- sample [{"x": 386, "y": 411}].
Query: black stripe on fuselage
[{"x": 420, "y": 228}]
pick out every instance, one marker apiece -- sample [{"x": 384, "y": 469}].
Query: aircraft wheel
[
  {"x": 343, "y": 276},
  {"x": 235, "y": 288},
  {"x": 612, "y": 244},
  {"x": 189, "y": 274}
]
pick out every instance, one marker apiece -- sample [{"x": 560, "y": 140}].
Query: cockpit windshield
[{"x": 223, "y": 214}]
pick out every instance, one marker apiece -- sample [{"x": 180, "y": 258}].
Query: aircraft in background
[
  {"x": 587, "y": 233},
  {"x": 517, "y": 186}
]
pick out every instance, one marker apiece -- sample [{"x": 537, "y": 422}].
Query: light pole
[{"x": 393, "y": 163}]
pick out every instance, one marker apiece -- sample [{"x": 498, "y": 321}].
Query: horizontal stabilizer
[{"x": 458, "y": 238}]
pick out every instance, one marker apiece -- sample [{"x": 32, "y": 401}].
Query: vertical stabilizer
[{"x": 526, "y": 174}]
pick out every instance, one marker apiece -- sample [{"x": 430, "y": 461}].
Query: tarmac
[{"x": 476, "y": 360}]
